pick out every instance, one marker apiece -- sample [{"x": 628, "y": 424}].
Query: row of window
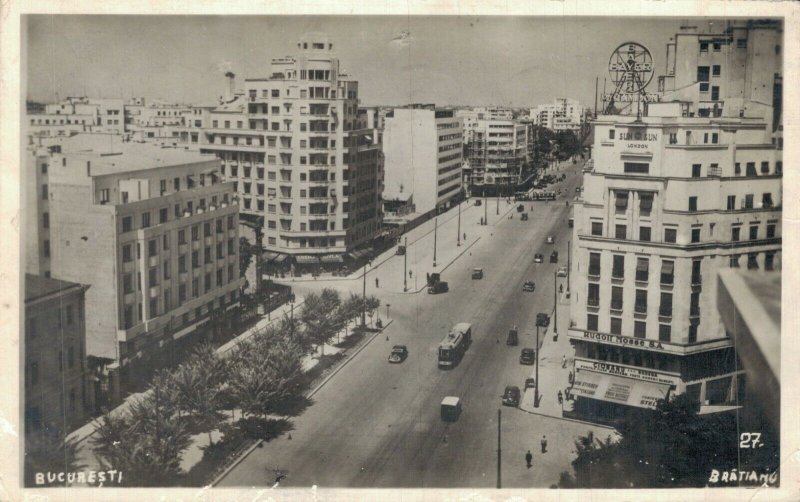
[
  {"x": 640, "y": 302},
  {"x": 667, "y": 276},
  {"x": 64, "y": 317},
  {"x": 145, "y": 220},
  {"x": 128, "y": 312},
  {"x": 71, "y": 360},
  {"x": 670, "y": 234}
]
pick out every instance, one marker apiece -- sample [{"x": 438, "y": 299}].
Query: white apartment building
[
  {"x": 153, "y": 231},
  {"x": 302, "y": 156},
  {"x": 497, "y": 151},
  {"x": 77, "y": 114},
  {"x": 561, "y": 115},
  {"x": 423, "y": 150}
]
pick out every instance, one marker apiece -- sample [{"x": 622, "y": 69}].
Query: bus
[{"x": 453, "y": 346}]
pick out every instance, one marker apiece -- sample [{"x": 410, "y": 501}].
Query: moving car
[
  {"x": 554, "y": 257},
  {"x": 529, "y": 286},
  {"x": 451, "y": 408},
  {"x": 524, "y": 217},
  {"x": 550, "y": 239},
  {"x": 478, "y": 202},
  {"x": 399, "y": 354},
  {"x": 511, "y": 396},
  {"x": 562, "y": 271},
  {"x": 477, "y": 273},
  {"x": 512, "y": 339},
  {"x": 542, "y": 319},
  {"x": 520, "y": 208},
  {"x": 438, "y": 287},
  {"x": 401, "y": 250},
  {"x": 530, "y": 383},
  {"x": 527, "y": 356},
  {"x": 538, "y": 258}
]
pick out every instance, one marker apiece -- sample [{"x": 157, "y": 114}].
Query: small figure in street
[
  {"x": 544, "y": 444},
  {"x": 560, "y": 288},
  {"x": 563, "y": 361},
  {"x": 376, "y": 282},
  {"x": 528, "y": 459},
  {"x": 428, "y": 276},
  {"x": 571, "y": 377},
  {"x": 409, "y": 274},
  {"x": 465, "y": 236},
  {"x": 560, "y": 398}
]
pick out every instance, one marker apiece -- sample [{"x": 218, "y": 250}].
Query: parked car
[
  {"x": 477, "y": 273},
  {"x": 554, "y": 257},
  {"x": 550, "y": 239},
  {"x": 538, "y": 258},
  {"x": 401, "y": 250},
  {"x": 398, "y": 354},
  {"x": 511, "y": 396},
  {"x": 542, "y": 319},
  {"x": 530, "y": 383},
  {"x": 478, "y": 202},
  {"x": 450, "y": 408},
  {"x": 527, "y": 356},
  {"x": 520, "y": 208},
  {"x": 524, "y": 217},
  {"x": 529, "y": 286},
  {"x": 438, "y": 287},
  {"x": 562, "y": 271},
  {"x": 512, "y": 339}
]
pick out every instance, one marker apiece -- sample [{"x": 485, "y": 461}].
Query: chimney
[{"x": 231, "y": 82}]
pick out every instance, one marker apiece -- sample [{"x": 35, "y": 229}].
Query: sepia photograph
[{"x": 479, "y": 252}]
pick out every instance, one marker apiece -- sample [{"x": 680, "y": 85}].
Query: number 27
[{"x": 749, "y": 440}]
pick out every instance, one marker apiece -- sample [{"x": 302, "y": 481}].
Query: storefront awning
[
  {"x": 359, "y": 254},
  {"x": 306, "y": 259},
  {"x": 280, "y": 258},
  {"x": 618, "y": 390},
  {"x": 269, "y": 256},
  {"x": 331, "y": 258}
]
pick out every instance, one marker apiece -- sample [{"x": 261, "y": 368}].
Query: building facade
[
  {"x": 154, "y": 232},
  {"x": 302, "y": 156},
  {"x": 423, "y": 150},
  {"x": 58, "y": 396},
  {"x": 496, "y": 154},
  {"x": 563, "y": 114},
  {"x": 667, "y": 201}
]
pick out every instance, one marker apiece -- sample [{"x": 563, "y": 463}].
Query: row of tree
[{"x": 204, "y": 393}]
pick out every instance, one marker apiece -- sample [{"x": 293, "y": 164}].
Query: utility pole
[
  {"x": 568, "y": 266},
  {"x": 405, "y": 265},
  {"x": 555, "y": 303},
  {"x": 536, "y": 378},
  {"x": 435, "y": 231},
  {"x": 364, "y": 298},
  {"x": 458, "y": 235},
  {"x": 387, "y": 311},
  {"x": 499, "y": 472},
  {"x": 485, "y": 208}
]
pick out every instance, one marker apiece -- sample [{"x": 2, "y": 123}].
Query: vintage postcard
[{"x": 409, "y": 251}]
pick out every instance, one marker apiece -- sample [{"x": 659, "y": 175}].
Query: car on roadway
[
  {"x": 542, "y": 319},
  {"x": 398, "y": 354},
  {"x": 401, "y": 250},
  {"x": 562, "y": 271},
  {"x": 554, "y": 257},
  {"x": 524, "y": 217},
  {"x": 478, "y": 202},
  {"x": 530, "y": 383},
  {"x": 450, "y": 408},
  {"x": 550, "y": 239},
  {"x": 527, "y": 356},
  {"x": 538, "y": 258},
  {"x": 513, "y": 338},
  {"x": 477, "y": 273},
  {"x": 529, "y": 286},
  {"x": 511, "y": 396},
  {"x": 438, "y": 287}
]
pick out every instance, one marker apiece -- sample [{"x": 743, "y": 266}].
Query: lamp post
[
  {"x": 405, "y": 264},
  {"x": 458, "y": 235},
  {"x": 555, "y": 303},
  {"x": 485, "y": 209},
  {"x": 499, "y": 463},
  {"x": 536, "y": 377},
  {"x": 364, "y": 298},
  {"x": 568, "y": 266},
  {"x": 435, "y": 231},
  {"x": 387, "y": 312}
]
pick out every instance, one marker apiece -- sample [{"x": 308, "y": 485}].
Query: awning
[
  {"x": 618, "y": 390},
  {"x": 331, "y": 258},
  {"x": 306, "y": 259},
  {"x": 646, "y": 202},
  {"x": 667, "y": 267},
  {"x": 642, "y": 264},
  {"x": 358, "y": 254},
  {"x": 281, "y": 258},
  {"x": 622, "y": 199},
  {"x": 269, "y": 256}
]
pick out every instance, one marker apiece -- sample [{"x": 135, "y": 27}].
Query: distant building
[
  {"x": 302, "y": 156},
  {"x": 58, "y": 394},
  {"x": 153, "y": 120},
  {"x": 496, "y": 152},
  {"x": 77, "y": 114},
  {"x": 423, "y": 149},
  {"x": 152, "y": 230},
  {"x": 563, "y": 114}
]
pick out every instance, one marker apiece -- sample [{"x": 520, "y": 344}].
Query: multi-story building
[
  {"x": 563, "y": 114},
  {"x": 156, "y": 121},
  {"x": 302, "y": 156},
  {"x": 151, "y": 229},
  {"x": 77, "y": 114},
  {"x": 423, "y": 149},
  {"x": 728, "y": 73},
  {"x": 497, "y": 151},
  {"x": 667, "y": 201},
  {"x": 57, "y": 393}
]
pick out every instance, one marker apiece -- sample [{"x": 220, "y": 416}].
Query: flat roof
[{"x": 37, "y": 286}]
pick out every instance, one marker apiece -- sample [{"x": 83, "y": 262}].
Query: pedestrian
[
  {"x": 560, "y": 288},
  {"x": 428, "y": 277},
  {"x": 376, "y": 282},
  {"x": 563, "y": 361},
  {"x": 529, "y": 459},
  {"x": 560, "y": 397},
  {"x": 409, "y": 274},
  {"x": 544, "y": 444},
  {"x": 465, "y": 236},
  {"x": 571, "y": 378}
]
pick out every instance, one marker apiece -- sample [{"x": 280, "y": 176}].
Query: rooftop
[{"x": 37, "y": 286}]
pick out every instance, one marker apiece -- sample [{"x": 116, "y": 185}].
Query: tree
[
  {"x": 319, "y": 314},
  {"x": 669, "y": 447},
  {"x": 246, "y": 251},
  {"x": 198, "y": 383}
]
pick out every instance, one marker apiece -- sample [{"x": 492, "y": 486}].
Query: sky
[{"x": 446, "y": 60}]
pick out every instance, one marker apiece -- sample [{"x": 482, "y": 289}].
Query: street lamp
[
  {"x": 364, "y": 298},
  {"x": 435, "y": 231},
  {"x": 568, "y": 266},
  {"x": 555, "y": 304},
  {"x": 536, "y": 377},
  {"x": 485, "y": 208},
  {"x": 458, "y": 235},
  {"x": 387, "y": 312},
  {"x": 405, "y": 264}
]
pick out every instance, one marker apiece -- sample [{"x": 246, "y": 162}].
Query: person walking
[
  {"x": 376, "y": 282},
  {"x": 563, "y": 361},
  {"x": 409, "y": 274},
  {"x": 544, "y": 444},
  {"x": 529, "y": 459},
  {"x": 560, "y": 397},
  {"x": 465, "y": 236}
]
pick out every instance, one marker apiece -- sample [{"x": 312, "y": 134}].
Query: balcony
[
  {"x": 152, "y": 261},
  {"x": 154, "y": 291}
]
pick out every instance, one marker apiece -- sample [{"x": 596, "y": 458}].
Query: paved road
[{"x": 377, "y": 425}]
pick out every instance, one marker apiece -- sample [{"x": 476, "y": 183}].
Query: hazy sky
[{"x": 518, "y": 61}]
